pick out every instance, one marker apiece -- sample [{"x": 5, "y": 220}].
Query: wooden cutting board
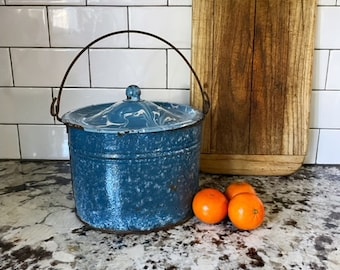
[{"x": 254, "y": 58}]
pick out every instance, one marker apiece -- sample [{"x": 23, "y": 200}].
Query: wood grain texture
[
  {"x": 201, "y": 59},
  {"x": 270, "y": 70},
  {"x": 250, "y": 164},
  {"x": 281, "y": 77},
  {"x": 255, "y": 57},
  {"x": 232, "y": 76}
]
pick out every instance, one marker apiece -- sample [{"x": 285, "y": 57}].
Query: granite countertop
[{"x": 39, "y": 228}]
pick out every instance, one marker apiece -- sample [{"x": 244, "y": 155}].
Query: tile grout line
[
  {"x": 11, "y": 64},
  {"x": 327, "y": 69},
  {"x": 89, "y": 66},
  {"x": 128, "y": 25},
  {"x": 19, "y": 141},
  {"x": 317, "y": 146},
  {"x": 48, "y": 28}
]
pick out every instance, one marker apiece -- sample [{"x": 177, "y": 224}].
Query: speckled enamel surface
[
  {"x": 135, "y": 182},
  {"x": 40, "y": 230}
]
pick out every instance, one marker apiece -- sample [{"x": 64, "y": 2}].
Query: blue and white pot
[{"x": 135, "y": 163}]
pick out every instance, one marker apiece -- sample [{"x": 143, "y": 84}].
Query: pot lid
[{"x": 132, "y": 115}]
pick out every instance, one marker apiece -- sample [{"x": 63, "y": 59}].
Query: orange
[
  {"x": 210, "y": 206},
  {"x": 238, "y": 187},
  {"x": 246, "y": 211}
]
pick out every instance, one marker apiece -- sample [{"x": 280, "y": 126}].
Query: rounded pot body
[{"x": 135, "y": 182}]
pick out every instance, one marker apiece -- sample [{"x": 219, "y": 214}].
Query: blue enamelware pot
[{"x": 135, "y": 163}]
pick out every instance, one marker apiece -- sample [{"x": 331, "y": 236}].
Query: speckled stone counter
[{"x": 39, "y": 228}]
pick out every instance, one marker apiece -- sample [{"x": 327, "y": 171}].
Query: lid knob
[{"x": 133, "y": 93}]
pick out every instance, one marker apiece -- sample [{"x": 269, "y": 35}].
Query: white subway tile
[
  {"x": 328, "y": 32},
  {"x": 23, "y": 26},
  {"x": 25, "y": 105},
  {"x": 329, "y": 147},
  {"x": 313, "y": 137},
  {"x": 127, "y": 2},
  {"x": 73, "y": 99},
  {"x": 325, "y": 109},
  {"x": 178, "y": 71},
  {"x": 46, "y": 67},
  {"x": 170, "y": 23},
  {"x": 178, "y": 96},
  {"x": 9, "y": 142},
  {"x": 180, "y": 2},
  {"x": 78, "y": 26},
  {"x": 43, "y": 142},
  {"x": 46, "y": 2},
  {"x": 326, "y": 2},
  {"x": 333, "y": 78},
  {"x": 5, "y": 68},
  {"x": 123, "y": 67},
  {"x": 320, "y": 68}
]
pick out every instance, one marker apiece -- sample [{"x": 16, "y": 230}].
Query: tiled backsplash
[{"x": 38, "y": 39}]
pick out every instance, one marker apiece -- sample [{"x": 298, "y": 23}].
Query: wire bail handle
[{"x": 55, "y": 105}]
